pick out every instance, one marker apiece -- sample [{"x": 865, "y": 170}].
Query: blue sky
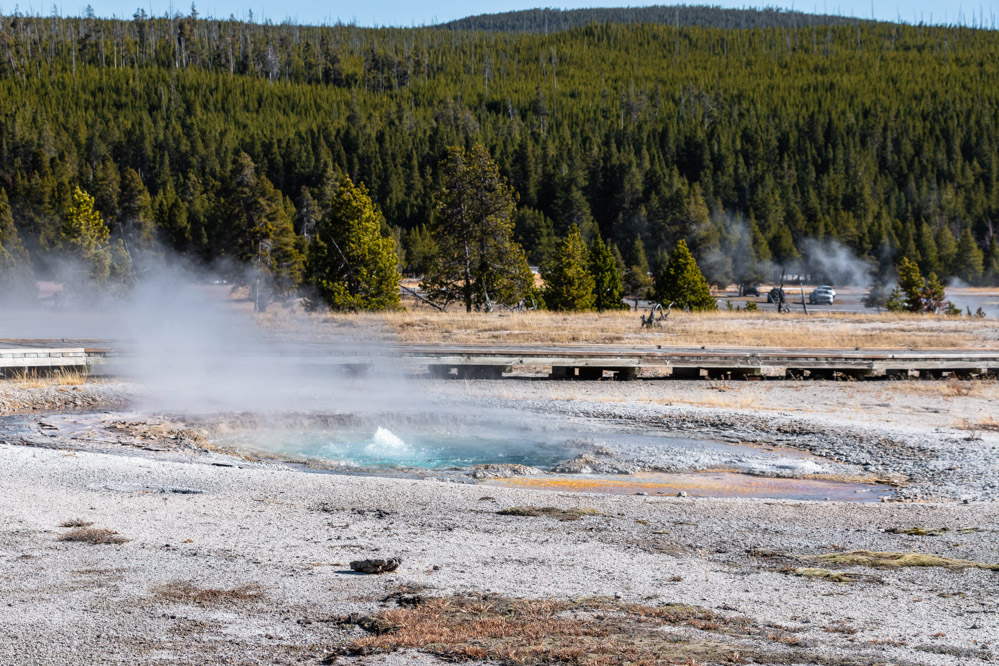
[{"x": 400, "y": 12}]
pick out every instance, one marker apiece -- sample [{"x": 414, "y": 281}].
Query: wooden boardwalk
[{"x": 567, "y": 362}]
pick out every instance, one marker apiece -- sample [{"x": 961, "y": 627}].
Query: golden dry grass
[
  {"x": 825, "y": 574},
  {"x": 29, "y": 379},
  {"x": 867, "y": 558},
  {"x": 737, "y": 329},
  {"x": 988, "y": 423},
  {"x": 949, "y": 388}
]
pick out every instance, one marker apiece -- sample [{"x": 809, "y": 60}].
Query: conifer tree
[
  {"x": 968, "y": 260},
  {"x": 262, "y": 234},
  {"x": 637, "y": 279},
  {"x": 535, "y": 232},
  {"x": 350, "y": 264},
  {"x": 907, "y": 246},
  {"x": 915, "y": 294},
  {"x": 15, "y": 269},
  {"x": 85, "y": 235},
  {"x": 135, "y": 212},
  {"x": 909, "y": 293},
  {"x": 992, "y": 262},
  {"x": 946, "y": 249},
  {"x": 782, "y": 246},
  {"x": 607, "y": 289},
  {"x": 682, "y": 283},
  {"x": 477, "y": 260},
  {"x": 170, "y": 217},
  {"x": 568, "y": 282},
  {"x": 420, "y": 249},
  {"x": 929, "y": 255},
  {"x": 106, "y": 189}
]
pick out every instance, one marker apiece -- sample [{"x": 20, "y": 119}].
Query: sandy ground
[{"x": 236, "y": 561}]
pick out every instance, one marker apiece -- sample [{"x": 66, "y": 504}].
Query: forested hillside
[
  {"x": 747, "y": 144},
  {"x": 684, "y": 16}
]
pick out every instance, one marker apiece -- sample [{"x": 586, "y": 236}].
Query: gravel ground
[
  {"x": 939, "y": 436},
  {"x": 276, "y": 541}
]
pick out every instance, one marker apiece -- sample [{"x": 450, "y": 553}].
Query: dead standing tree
[{"x": 655, "y": 318}]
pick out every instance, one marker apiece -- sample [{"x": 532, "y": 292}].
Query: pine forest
[{"x": 236, "y": 141}]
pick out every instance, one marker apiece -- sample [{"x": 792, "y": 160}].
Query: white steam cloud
[{"x": 180, "y": 335}]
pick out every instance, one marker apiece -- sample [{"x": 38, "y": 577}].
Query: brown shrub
[
  {"x": 94, "y": 535},
  {"x": 76, "y": 522},
  {"x": 595, "y": 632}
]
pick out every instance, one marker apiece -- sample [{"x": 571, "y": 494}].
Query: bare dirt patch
[
  {"x": 548, "y": 512},
  {"x": 188, "y": 593}
]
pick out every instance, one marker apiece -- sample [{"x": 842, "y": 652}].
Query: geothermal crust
[{"x": 233, "y": 560}]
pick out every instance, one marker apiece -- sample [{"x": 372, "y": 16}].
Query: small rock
[
  {"x": 376, "y": 566},
  {"x": 682, "y": 493}
]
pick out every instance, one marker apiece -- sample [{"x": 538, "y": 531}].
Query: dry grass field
[
  {"x": 718, "y": 329},
  {"x": 35, "y": 379}
]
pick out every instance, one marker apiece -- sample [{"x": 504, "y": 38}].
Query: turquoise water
[{"x": 386, "y": 447}]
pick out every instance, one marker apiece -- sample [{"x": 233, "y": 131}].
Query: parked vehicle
[
  {"x": 776, "y": 295},
  {"x": 822, "y": 295},
  {"x": 750, "y": 290}
]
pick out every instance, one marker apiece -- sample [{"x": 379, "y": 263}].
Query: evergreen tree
[
  {"x": 607, "y": 288},
  {"x": 350, "y": 264},
  {"x": 992, "y": 262},
  {"x": 761, "y": 249},
  {"x": 262, "y": 234},
  {"x": 106, "y": 189},
  {"x": 908, "y": 248},
  {"x": 15, "y": 269},
  {"x": 569, "y": 284},
  {"x": 946, "y": 249},
  {"x": 135, "y": 212},
  {"x": 682, "y": 283},
  {"x": 968, "y": 260},
  {"x": 637, "y": 280},
  {"x": 85, "y": 235},
  {"x": 910, "y": 286},
  {"x": 782, "y": 246},
  {"x": 933, "y": 295},
  {"x": 170, "y": 216},
  {"x": 535, "y": 232},
  {"x": 929, "y": 255},
  {"x": 307, "y": 214},
  {"x": 915, "y": 294},
  {"x": 477, "y": 260},
  {"x": 420, "y": 250}
]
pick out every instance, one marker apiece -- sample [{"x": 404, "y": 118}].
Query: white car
[{"x": 823, "y": 294}]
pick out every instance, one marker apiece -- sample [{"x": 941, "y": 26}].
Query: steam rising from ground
[
  {"x": 194, "y": 350},
  {"x": 835, "y": 263}
]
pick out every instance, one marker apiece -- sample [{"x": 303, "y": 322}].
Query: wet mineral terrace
[{"x": 568, "y": 455}]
